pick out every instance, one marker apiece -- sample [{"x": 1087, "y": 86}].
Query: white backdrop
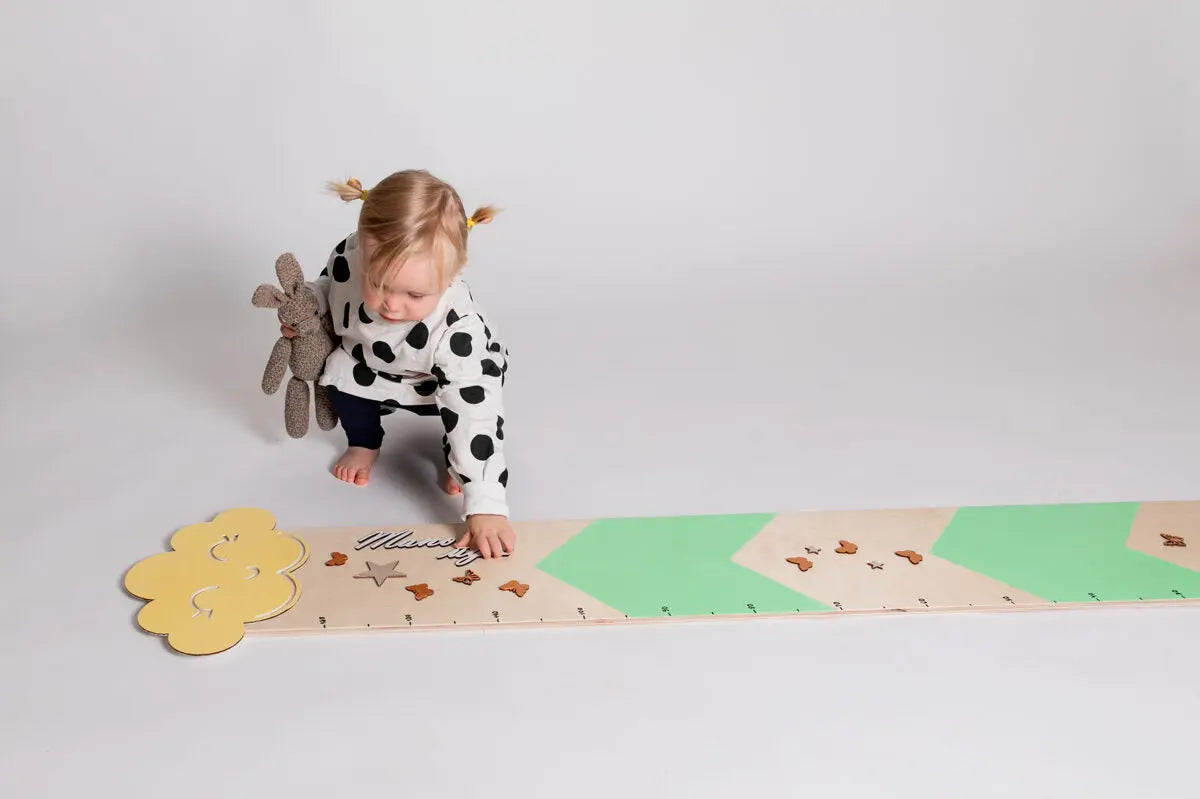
[{"x": 754, "y": 256}]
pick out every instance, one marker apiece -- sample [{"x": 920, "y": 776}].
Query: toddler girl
[{"x": 413, "y": 337}]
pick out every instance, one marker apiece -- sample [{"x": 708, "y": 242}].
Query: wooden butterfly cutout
[
  {"x": 803, "y": 564},
  {"x": 517, "y": 588},
  {"x": 420, "y": 591},
  {"x": 1170, "y": 540},
  {"x": 336, "y": 559},
  {"x": 847, "y": 548},
  {"x": 466, "y": 578},
  {"x": 913, "y": 557}
]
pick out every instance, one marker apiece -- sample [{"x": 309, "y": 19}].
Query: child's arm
[{"x": 470, "y": 379}]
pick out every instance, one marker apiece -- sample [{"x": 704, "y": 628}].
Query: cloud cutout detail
[{"x": 218, "y": 576}]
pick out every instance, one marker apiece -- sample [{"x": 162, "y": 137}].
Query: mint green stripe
[
  {"x": 641, "y": 565},
  {"x": 1063, "y": 553}
]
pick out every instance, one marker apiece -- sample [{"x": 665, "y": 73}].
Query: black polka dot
[
  {"x": 494, "y": 347},
  {"x": 341, "y": 248},
  {"x": 504, "y": 478},
  {"x": 384, "y": 411},
  {"x": 427, "y": 388},
  {"x": 357, "y": 352},
  {"x": 391, "y": 403},
  {"x": 500, "y": 428},
  {"x": 472, "y": 394},
  {"x": 460, "y": 344},
  {"x": 487, "y": 332},
  {"x": 462, "y": 478},
  {"x": 362, "y": 315},
  {"x": 363, "y": 374},
  {"x": 383, "y": 352},
  {"x": 324, "y": 272},
  {"x": 391, "y": 377},
  {"x": 449, "y": 420},
  {"x": 341, "y": 269},
  {"x": 346, "y": 316},
  {"x": 418, "y": 337},
  {"x": 490, "y": 368},
  {"x": 482, "y": 447},
  {"x": 446, "y": 450},
  {"x": 451, "y": 317},
  {"x": 437, "y": 372}
]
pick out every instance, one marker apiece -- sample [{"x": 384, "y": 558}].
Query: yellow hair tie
[
  {"x": 362, "y": 194},
  {"x": 470, "y": 224}
]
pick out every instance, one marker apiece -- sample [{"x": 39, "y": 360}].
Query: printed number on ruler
[
  {"x": 666, "y": 610},
  {"x": 582, "y": 615},
  {"x": 408, "y": 618}
]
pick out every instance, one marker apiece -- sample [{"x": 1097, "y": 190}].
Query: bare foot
[
  {"x": 355, "y": 465},
  {"x": 451, "y": 487}
]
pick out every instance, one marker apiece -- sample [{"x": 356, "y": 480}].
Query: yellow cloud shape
[{"x": 219, "y": 576}]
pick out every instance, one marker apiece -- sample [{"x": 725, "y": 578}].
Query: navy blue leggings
[{"x": 359, "y": 418}]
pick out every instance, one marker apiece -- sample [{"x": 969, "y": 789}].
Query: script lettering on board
[{"x": 403, "y": 539}]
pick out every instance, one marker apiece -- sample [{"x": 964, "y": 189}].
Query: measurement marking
[{"x": 1178, "y": 594}]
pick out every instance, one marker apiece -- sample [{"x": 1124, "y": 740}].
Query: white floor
[
  {"x": 997, "y": 306},
  {"x": 120, "y": 453}
]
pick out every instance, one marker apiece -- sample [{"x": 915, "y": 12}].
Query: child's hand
[
  {"x": 288, "y": 332},
  {"x": 491, "y": 535}
]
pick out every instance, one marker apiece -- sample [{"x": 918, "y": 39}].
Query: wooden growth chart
[{"x": 239, "y": 574}]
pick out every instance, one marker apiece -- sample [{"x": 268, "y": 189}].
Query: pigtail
[
  {"x": 482, "y": 216},
  {"x": 349, "y": 191}
]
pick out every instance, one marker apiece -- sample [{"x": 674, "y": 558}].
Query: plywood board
[{"x": 669, "y": 569}]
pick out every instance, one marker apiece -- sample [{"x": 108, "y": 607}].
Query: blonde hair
[{"x": 411, "y": 212}]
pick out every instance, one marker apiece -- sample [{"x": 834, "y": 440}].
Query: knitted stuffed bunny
[{"x": 305, "y": 354}]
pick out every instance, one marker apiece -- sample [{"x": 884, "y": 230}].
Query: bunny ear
[
  {"x": 288, "y": 270},
  {"x": 267, "y": 296}
]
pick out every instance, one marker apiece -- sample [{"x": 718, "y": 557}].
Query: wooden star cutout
[
  {"x": 813, "y": 550},
  {"x": 875, "y": 564},
  {"x": 379, "y": 573}
]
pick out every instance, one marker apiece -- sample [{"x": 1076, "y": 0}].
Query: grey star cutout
[
  {"x": 813, "y": 550},
  {"x": 875, "y": 564},
  {"x": 379, "y": 573}
]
